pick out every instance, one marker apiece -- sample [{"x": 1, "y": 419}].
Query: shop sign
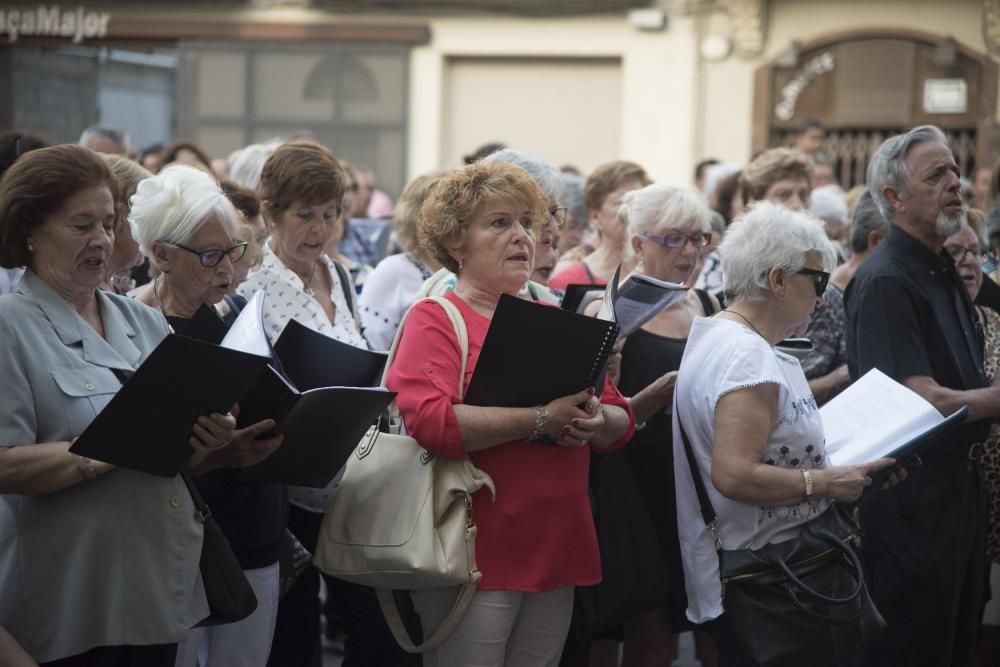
[
  {"x": 54, "y": 21},
  {"x": 946, "y": 96},
  {"x": 821, "y": 64}
]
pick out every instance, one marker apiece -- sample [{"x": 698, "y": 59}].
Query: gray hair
[
  {"x": 547, "y": 177},
  {"x": 888, "y": 166},
  {"x": 120, "y": 137},
  {"x": 170, "y": 206},
  {"x": 766, "y": 236},
  {"x": 246, "y": 164},
  {"x": 659, "y": 207},
  {"x": 828, "y": 202},
  {"x": 572, "y": 197},
  {"x": 867, "y": 219}
]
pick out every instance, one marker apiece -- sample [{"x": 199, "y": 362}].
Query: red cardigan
[{"x": 539, "y": 534}]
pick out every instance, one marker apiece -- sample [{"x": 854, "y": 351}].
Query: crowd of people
[{"x": 594, "y": 551}]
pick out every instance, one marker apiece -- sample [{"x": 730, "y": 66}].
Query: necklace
[
  {"x": 745, "y": 319},
  {"x": 306, "y": 283}
]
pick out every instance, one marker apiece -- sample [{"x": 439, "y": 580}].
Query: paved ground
[{"x": 331, "y": 658}]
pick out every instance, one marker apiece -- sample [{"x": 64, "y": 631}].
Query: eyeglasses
[
  {"x": 677, "y": 240},
  {"x": 212, "y": 258},
  {"x": 559, "y": 214},
  {"x": 820, "y": 279},
  {"x": 958, "y": 252}
]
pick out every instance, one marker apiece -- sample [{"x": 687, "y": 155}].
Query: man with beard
[{"x": 909, "y": 315}]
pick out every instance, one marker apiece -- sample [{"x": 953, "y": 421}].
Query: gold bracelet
[{"x": 808, "y": 477}]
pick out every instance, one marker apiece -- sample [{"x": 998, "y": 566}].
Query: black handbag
[
  {"x": 230, "y": 597},
  {"x": 799, "y": 602}
]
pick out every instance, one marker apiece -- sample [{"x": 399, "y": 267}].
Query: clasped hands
[{"x": 571, "y": 425}]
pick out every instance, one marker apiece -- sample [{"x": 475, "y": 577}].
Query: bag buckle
[
  {"x": 714, "y": 530},
  {"x": 204, "y": 514}
]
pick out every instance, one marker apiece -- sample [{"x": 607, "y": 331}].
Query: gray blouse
[{"x": 108, "y": 562}]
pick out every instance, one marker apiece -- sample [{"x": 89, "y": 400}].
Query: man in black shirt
[{"x": 909, "y": 315}]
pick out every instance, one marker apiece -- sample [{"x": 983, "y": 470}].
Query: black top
[
  {"x": 908, "y": 313},
  {"x": 253, "y": 516}
]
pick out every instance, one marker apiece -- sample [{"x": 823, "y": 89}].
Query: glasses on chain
[{"x": 212, "y": 258}]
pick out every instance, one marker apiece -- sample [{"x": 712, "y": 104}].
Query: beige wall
[{"x": 728, "y": 100}]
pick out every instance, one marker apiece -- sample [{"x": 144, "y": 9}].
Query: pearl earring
[
  {"x": 31, "y": 248},
  {"x": 461, "y": 265}
]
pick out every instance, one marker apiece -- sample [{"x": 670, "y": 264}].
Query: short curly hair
[
  {"x": 772, "y": 166},
  {"x": 461, "y": 195}
]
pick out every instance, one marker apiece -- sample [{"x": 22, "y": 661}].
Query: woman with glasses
[
  {"x": 753, "y": 425},
  {"x": 668, "y": 229},
  {"x": 189, "y": 230},
  {"x": 967, "y": 249}
]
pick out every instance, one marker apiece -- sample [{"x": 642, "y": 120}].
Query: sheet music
[
  {"x": 873, "y": 417},
  {"x": 247, "y": 333}
]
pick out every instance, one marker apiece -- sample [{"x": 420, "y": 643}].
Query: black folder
[
  {"x": 321, "y": 428},
  {"x": 906, "y": 451},
  {"x": 311, "y": 360},
  {"x": 204, "y": 325},
  {"x": 533, "y": 354},
  {"x": 147, "y": 424}
]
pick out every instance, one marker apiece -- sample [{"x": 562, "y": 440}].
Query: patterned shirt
[{"x": 287, "y": 300}]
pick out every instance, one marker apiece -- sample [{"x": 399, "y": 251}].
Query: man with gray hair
[
  {"x": 106, "y": 140},
  {"x": 910, "y": 316}
]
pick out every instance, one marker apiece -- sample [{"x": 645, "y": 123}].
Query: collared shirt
[
  {"x": 107, "y": 562},
  {"x": 908, "y": 313}
]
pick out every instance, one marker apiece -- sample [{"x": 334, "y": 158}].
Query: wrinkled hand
[
  {"x": 245, "y": 450},
  {"x": 562, "y": 412},
  {"x": 210, "y": 433},
  {"x": 847, "y": 483}
]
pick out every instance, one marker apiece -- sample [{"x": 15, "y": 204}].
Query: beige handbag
[{"x": 402, "y": 517}]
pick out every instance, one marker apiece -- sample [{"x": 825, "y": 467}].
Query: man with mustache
[{"x": 909, "y": 315}]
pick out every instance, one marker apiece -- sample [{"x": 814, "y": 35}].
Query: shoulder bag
[
  {"x": 402, "y": 517},
  {"x": 799, "y": 602}
]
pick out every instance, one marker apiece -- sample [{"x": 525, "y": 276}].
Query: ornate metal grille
[{"x": 849, "y": 150}]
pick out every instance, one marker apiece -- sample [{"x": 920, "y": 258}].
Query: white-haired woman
[
  {"x": 189, "y": 230},
  {"x": 753, "y": 424},
  {"x": 668, "y": 228}
]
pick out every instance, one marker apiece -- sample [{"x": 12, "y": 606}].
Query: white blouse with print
[{"x": 287, "y": 300}]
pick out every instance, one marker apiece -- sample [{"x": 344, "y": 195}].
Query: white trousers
[
  {"x": 500, "y": 628},
  {"x": 243, "y": 644}
]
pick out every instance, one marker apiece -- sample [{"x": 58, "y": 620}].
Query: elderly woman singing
[
  {"x": 537, "y": 541},
  {"x": 98, "y": 565}
]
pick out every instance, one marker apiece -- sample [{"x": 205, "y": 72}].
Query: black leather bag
[
  {"x": 799, "y": 602},
  {"x": 230, "y": 597}
]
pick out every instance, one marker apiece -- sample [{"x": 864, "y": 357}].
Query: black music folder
[
  {"x": 321, "y": 428},
  {"x": 147, "y": 424},
  {"x": 311, "y": 360},
  {"x": 205, "y": 324},
  {"x": 533, "y": 354}
]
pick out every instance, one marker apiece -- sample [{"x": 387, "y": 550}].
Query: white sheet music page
[
  {"x": 247, "y": 333},
  {"x": 873, "y": 417}
]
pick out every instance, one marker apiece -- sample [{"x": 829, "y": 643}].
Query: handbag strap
[
  {"x": 704, "y": 503},
  {"x": 386, "y": 599}
]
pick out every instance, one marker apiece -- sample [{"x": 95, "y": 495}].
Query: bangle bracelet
[
  {"x": 541, "y": 415},
  {"x": 808, "y": 477}
]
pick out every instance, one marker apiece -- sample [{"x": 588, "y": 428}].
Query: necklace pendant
[{"x": 310, "y": 292}]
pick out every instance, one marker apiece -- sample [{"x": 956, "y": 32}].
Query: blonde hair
[
  {"x": 446, "y": 214},
  {"x": 609, "y": 177},
  {"x": 127, "y": 174},
  {"x": 407, "y": 210}
]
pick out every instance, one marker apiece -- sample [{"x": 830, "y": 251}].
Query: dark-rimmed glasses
[
  {"x": 559, "y": 214},
  {"x": 958, "y": 252},
  {"x": 678, "y": 240},
  {"x": 820, "y": 279},
  {"x": 212, "y": 258}
]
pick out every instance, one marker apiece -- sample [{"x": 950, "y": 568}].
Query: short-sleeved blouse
[
  {"x": 539, "y": 534},
  {"x": 111, "y": 561},
  {"x": 722, "y": 357},
  {"x": 387, "y": 294},
  {"x": 575, "y": 274},
  {"x": 287, "y": 300}
]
